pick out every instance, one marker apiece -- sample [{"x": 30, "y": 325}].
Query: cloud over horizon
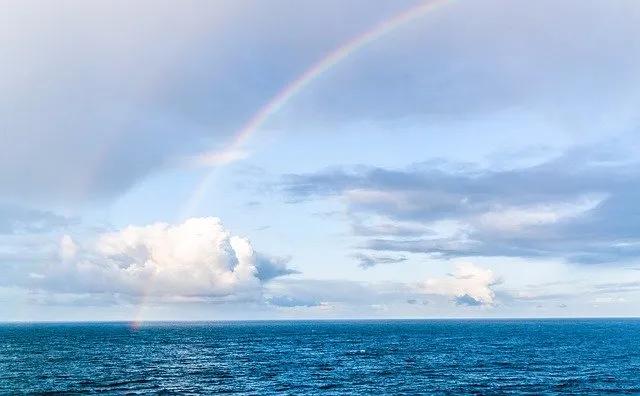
[
  {"x": 469, "y": 285},
  {"x": 195, "y": 260}
]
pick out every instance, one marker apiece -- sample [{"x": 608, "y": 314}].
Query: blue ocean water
[{"x": 324, "y": 357}]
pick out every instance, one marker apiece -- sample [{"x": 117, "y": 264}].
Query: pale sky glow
[{"x": 261, "y": 160}]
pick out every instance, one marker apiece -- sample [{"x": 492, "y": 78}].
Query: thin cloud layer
[
  {"x": 580, "y": 206},
  {"x": 19, "y": 219},
  {"x": 468, "y": 285},
  {"x": 108, "y": 87},
  {"x": 97, "y": 96},
  {"x": 367, "y": 260}
]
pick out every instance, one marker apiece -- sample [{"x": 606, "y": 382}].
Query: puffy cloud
[
  {"x": 469, "y": 285},
  {"x": 197, "y": 259}
]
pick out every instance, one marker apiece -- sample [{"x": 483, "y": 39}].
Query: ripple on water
[{"x": 519, "y": 356}]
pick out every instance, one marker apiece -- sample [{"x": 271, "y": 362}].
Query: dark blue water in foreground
[{"x": 359, "y": 357}]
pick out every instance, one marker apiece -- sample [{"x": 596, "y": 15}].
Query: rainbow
[{"x": 234, "y": 150}]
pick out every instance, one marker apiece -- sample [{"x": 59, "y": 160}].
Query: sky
[{"x": 223, "y": 160}]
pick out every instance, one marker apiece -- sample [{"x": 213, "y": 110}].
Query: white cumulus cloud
[
  {"x": 196, "y": 259},
  {"x": 468, "y": 285}
]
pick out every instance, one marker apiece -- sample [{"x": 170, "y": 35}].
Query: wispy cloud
[
  {"x": 367, "y": 260},
  {"x": 579, "y": 206}
]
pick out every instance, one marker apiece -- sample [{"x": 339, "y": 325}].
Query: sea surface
[{"x": 590, "y": 356}]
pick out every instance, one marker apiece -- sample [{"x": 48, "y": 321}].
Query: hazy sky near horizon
[{"x": 480, "y": 159}]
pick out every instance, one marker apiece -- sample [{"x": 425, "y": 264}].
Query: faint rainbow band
[
  {"x": 240, "y": 138},
  {"x": 233, "y": 151}
]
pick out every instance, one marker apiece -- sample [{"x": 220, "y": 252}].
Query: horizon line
[{"x": 467, "y": 318}]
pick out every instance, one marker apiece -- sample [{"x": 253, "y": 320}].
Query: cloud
[
  {"x": 368, "y": 261},
  {"x": 377, "y": 227},
  {"x": 272, "y": 267},
  {"x": 81, "y": 115},
  {"x": 98, "y": 96},
  {"x": 199, "y": 261},
  {"x": 608, "y": 300},
  {"x": 579, "y": 206},
  {"x": 468, "y": 285},
  {"x": 464, "y": 69},
  {"x": 466, "y": 299},
  {"x": 194, "y": 260},
  {"x": 73, "y": 80},
  {"x": 21, "y": 253},
  {"x": 468, "y": 282},
  {"x": 617, "y": 287},
  {"x": 290, "y": 302},
  {"x": 19, "y": 219}
]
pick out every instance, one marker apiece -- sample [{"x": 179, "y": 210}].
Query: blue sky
[{"x": 480, "y": 160}]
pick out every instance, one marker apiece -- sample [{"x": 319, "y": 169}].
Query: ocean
[{"x": 584, "y": 356}]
